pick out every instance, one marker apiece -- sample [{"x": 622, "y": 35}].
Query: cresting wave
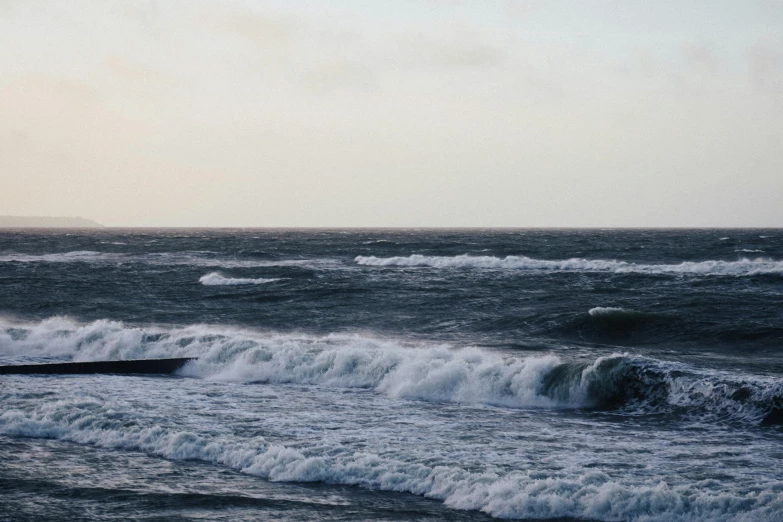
[
  {"x": 616, "y": 324},
  {"x": 609, "y": 311},
  {"x": 621, "y": 317},
  {"x": 75, "y": 256},
  {"x": 186, "y": 258},
  {"x": 742, "y": 267},
  {"x": 218, "y": 279},
  {"x": 624, "y": 384}
]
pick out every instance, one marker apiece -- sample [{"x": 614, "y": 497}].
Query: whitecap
[
  {"x": 420, "y": 371},
  {"x": 217, "y": 279},
  {"x": 742, "y": 267},
  {"x": 605, "y": 311}
]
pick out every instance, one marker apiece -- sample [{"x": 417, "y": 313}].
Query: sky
[{"x": 412, "y": 113}]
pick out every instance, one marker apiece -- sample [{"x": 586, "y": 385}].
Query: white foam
[
  {"x": 61, "y": 337},
  {"x": 217, "y": 279},
  {"x": 599, "y": 311},
  {"x": 742, "y": 267},
  {"x": 64, "y": 257},
  {"x": 124, "y": 417},
  {"x": 202, "y": 259},
  {"x": 436, "y": 373},
  {"x": 577, "y": 492},
  {"x": 424, "y": 372}
]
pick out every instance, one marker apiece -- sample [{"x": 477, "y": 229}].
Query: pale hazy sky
[{"x": 393, "y": 113}]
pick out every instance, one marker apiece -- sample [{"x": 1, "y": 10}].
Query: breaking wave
[
  {"x": 742, "y": 267},
  {"x": 439, "y": 373},
  {"x": 217, "y": 279},
  {"x": 64, "y": 257},
  {"x": 619, "y": 384},
  {"x": 193, "y": 258},
  {"x": 610, "y": 311}
]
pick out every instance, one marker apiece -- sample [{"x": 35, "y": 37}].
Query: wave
[
  {"x": 742, "y": 267},
  {"x": 624, "y": 384},
  {"x": 64, "y": 257},
  {"x": 618, "y": 384},
  {"x": 629, "y": 327},
  {"x": 217, "y": 279},
  {"x": 203, "y": 259},
  {"x": 530, "y": 494},
  {"x": 610, "y": 311},
  {"x": 620, "y": 322}
]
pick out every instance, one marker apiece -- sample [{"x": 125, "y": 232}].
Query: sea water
[{"x": 395, "y": 375}]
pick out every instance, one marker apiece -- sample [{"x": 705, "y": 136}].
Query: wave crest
[
  {"x": 619, "y": 322},
  {"x": 218, "y": 279},
  {"x": 179, "y": 258},
  {"x": 440, "y": 373},
  {"x": 742, "y": 267}
]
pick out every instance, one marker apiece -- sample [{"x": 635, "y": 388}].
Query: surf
[{"x": 620, "y": 383}]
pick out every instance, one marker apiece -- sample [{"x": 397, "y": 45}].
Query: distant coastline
[{"x": 47, "y": 222}]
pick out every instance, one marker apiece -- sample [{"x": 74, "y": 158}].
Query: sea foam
[
  {"x": 181, "y": 258},
  {"x": 529, "y": 494},
  {"x": 618, "y": 384},
  {"x": 604, "y": 311},
  {"x": 76, "y": 256},
  {"x": 742, "y": 267},
  {"x": 439, "y": 373},
  {"x": 218, "y": 279}
]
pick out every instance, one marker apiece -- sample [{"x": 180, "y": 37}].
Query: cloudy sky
[{"x": 406, "y": 113}]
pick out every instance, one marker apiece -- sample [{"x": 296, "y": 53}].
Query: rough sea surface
[{"x": 606, "y": 375}]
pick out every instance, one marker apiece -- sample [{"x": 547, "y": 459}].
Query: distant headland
[{"x": 46, "y": 222}]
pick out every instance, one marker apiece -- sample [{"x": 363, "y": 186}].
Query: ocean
[{"x": 605, "y": 375}]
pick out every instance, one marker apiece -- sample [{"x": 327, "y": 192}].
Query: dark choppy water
[{"x": 395, "y": 375}]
